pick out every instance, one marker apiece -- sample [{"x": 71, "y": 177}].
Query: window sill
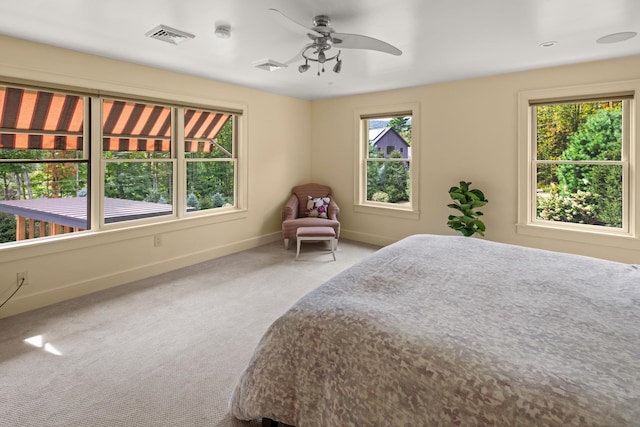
[
  {"x": 392, "y": 211},
  {"x": 592, "y": 237},
  {"x": 218, "y": 214}
]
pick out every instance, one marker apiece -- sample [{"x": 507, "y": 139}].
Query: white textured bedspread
[{"x": 447, "y": 330}]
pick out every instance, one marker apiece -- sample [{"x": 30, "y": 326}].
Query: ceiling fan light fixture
[
  {"x": 338, "y": 67},
  {"x": 304, "y": 67}
]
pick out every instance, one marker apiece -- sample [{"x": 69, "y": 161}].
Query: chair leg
[
  {"x": 334, "y": 243},
  {"x": 286, "y": 243}
]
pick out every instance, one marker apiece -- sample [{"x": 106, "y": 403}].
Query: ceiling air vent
[
  {"x": 269, "y": 65},
  {"x": 168, "y": 34}
]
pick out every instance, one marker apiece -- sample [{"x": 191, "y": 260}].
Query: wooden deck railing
[{"x": 30, "y": 228}]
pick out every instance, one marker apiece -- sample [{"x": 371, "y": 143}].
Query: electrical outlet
[
  {"x": 157, "y": 240},
  {"x": 22, "y": 279}
]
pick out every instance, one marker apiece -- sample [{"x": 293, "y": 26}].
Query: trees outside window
[{"x": 579, "y": 162}]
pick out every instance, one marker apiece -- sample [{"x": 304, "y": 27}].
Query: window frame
[
  {"x": 527, "y": 223},
  {"x": 93, "y": 157},
  {"x": 361, "y": 136}
]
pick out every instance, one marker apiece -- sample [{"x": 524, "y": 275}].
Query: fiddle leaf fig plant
[{"x": 466, "y": 201}]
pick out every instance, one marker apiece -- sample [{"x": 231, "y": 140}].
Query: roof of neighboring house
[{"x": 375, "y": 135}]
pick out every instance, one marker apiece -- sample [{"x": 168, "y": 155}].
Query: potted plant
[{"x": 466, "y": 201}]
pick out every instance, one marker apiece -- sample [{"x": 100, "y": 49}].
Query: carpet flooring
[{"x": 163, "y": 351}]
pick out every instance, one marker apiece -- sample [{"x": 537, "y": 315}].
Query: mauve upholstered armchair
[{"x": 295, "y": 213}]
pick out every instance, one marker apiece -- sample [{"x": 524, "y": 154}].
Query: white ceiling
[{"x": 441, "y": 40}]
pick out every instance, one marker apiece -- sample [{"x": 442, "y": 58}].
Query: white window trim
[
  {"x": 527, "y": 223},
  {"x": 361, "y": 204}
]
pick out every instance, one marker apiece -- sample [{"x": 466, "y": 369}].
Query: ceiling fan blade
[
  {"x": 293, "y": 25},
  {"x": 298, "y": 56},
  {"x": 357, "y": 41}
]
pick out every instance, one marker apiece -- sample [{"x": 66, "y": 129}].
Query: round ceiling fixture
[
  {"x": 616, "y": 37},
  {"x": 549, "y": 43},
  {"x": 223, "y": 31}
]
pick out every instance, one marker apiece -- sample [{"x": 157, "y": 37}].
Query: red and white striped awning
[
  {"x": 39, "y": 120},
  {"x": 201, "y": 128},
  {"x": 54, "y": 119},
  {"x": 129, "y": 126}
]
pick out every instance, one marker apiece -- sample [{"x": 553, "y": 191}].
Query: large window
[
  {"x": 579, "y": 161},
  {"x": 152, "y": 162},
  {"x": 387, "y": 176}
]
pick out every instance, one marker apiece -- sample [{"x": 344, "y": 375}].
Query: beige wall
[
  {"x": 278, "y": 153},
  {"x": 469, "y": 132}
]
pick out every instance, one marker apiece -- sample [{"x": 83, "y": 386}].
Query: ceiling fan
[{"x": 324, "y": 39}]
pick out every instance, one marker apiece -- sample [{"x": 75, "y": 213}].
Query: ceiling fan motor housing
[{"x": 321, "y": 24}]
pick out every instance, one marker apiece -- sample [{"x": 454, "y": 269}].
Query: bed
[{"x": 448, "y": 330}]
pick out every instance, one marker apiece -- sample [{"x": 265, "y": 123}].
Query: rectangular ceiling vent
[
  {"x": 269, "y": 65},
  {"x": 168, "y": 34}
]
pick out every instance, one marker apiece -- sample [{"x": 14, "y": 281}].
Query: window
[
  {"x": 153, "y": 162},
  {"x": 138, "y": 161},
  {"x": 44, "y": 163},
  {"x": 576, "y": 162},
  {"x": 387, "y": 174},
  {"x": 580, "y": 171},
  {"x": 210, "y": 156}
]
